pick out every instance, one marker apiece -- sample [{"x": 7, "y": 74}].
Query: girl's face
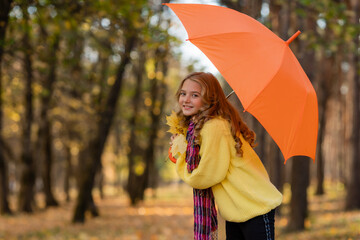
[{"x": 190, "y": 100}]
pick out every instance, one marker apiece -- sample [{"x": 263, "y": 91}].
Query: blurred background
[{"x": 85, "y": 87}]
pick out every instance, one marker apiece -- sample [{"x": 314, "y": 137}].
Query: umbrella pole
[{"x": 229, "y": 94}]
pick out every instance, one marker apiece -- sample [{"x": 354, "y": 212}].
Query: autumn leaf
[
  {"x": 173, "y": 122},
  {"x": 179, "y": 145}
]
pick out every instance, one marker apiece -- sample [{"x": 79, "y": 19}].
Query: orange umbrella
[{"x": 261, "y": 69}]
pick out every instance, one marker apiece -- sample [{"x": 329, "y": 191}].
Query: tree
[
  {"x": 329, "y": 72},
  {"x": 136, "y": 157},
  {"x": 158, "y": 96},
  {"x": 5, "y": 7},
  {"x": 51, "y": 41},
  {"x": 44, "y": 132},
  {"x": 139, "y": 181},
  {"x": 27, "y": 182},
  {"x": 96, "y": 145},
  {"x": 353, "y": 191},
  {"x": 299, "y": 202},
  {"x": 300, "y": 170}
]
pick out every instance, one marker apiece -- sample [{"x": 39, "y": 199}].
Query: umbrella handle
[{"x": 292, "y": 37}]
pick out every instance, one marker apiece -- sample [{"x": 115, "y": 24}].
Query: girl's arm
[{"x": 215, "y": 152}]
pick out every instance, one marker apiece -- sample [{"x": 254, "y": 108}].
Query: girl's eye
[
  {"x": 182, "y": 94},
  {"x": 195, "y": 95}
]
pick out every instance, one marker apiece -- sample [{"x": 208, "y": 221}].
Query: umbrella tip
[{"x": 292, "y": 37}]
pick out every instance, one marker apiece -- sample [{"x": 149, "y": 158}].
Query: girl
[{"x": 219, "y": 162}]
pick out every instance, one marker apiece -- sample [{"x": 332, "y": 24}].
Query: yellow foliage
[
  {"x": 68, "y": 25},
  {"x": 111, "y": 80},
  {"x": 150, "y": 65},
  {"x": 14, "y": 128},
  {"x": 151, "y": 75},
  {"x": 156, "y": 111},
  {"x": 179, "y": 145},
  {"x": 174, "y": 123},
  {"x": 85, "y": 26},
  {"x": 14, "y": 116},
  {"x": 139, "y": 169},
  {"x": 148, "y": 102},
  {"x": 159, "y": 75}
]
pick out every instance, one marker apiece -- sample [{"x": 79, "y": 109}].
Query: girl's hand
[{"x": 171, "y": 143}]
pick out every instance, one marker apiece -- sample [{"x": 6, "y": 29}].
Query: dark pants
[{"x": 257, "y": 228}]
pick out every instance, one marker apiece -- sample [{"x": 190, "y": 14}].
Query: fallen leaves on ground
[{"x": 169, "y": 216}]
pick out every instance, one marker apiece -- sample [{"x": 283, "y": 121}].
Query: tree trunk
[
  {"x": 353, "y": 191},
  {"x": 136, "y": 178},
  {"x": 84, "y": 182},
  {"x": 300, "y": 171},
  {"x": 67, "y": 172},
  {"x": 275, "y": 165},
  {"x": 249, "y": 7},
  {"x": 44, "y": 145},
  {"x": 320, "y": 156},
  {"x": 299, "y": 184},
  {"x": 4, "y": 189},
  {"x": 310, "y": 68},
  {"x": 158, "y": 93},
  {"x": 117, "y": 144},
  {"x": 326, "y": 82},
  {"x": 96, "y": 145},
  {"x": 99, "y": 179},
  {"x": 236, "y": 5},
  {"x": 27, "y": 181},
  {"x": 47, "y": 179}
]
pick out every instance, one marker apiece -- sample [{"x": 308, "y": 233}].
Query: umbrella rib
[{"x": 216, "y": 34}]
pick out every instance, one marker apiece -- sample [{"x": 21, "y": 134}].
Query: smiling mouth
[{"x": 187, "y": 107}]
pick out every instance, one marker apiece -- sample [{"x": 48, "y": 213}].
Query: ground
[{"x": 169, "y": 216}]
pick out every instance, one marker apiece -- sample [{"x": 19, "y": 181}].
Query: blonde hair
[{"x": 215, "y": 104}]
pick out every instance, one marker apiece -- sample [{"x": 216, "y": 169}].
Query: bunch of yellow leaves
[
  {"x": 174, "y": 123},
  {"x": 179, "y": 143}
]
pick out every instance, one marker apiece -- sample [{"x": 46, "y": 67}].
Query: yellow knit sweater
[{"x": 240, "y": 185}]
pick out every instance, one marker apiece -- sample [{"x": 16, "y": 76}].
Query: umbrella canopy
[{"x": 261, "y": 69}]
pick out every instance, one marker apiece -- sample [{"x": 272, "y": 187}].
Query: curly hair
[{"x": 215, "y": 104}]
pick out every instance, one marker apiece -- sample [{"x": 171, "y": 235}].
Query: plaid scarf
[{"x": 205, "y": 215}]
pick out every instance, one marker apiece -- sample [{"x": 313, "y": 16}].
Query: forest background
[{"x": 86, "y": 85}]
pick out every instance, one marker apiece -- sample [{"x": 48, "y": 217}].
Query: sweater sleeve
[{"x": 215, "y": 153}]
